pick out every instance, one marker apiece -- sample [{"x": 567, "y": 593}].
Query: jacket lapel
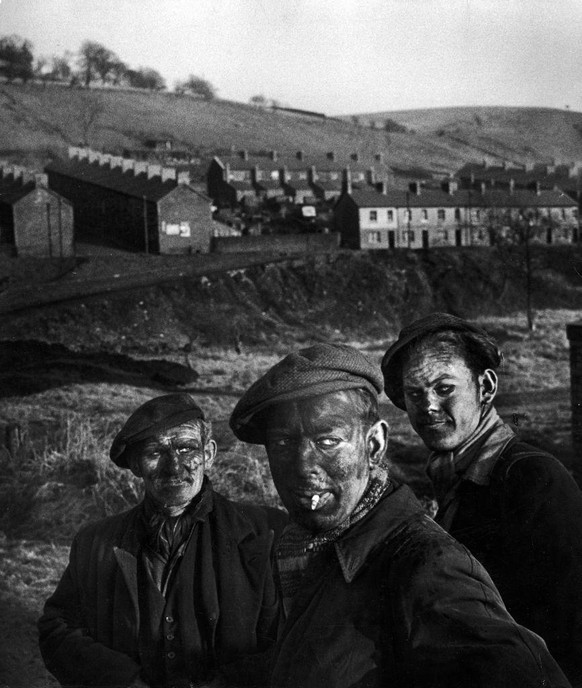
[{"x": 128, "y": 564}]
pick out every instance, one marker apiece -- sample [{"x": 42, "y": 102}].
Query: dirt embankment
[{"x": 346, "y": 296}]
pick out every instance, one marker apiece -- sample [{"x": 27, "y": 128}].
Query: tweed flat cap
[
  {"x": 157, "y": 414},
  {"x": 319, "y": 369},
  {"x": 435, "y": 322}
]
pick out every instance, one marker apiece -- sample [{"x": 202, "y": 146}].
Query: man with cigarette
[{"x": 374, "y": 592}]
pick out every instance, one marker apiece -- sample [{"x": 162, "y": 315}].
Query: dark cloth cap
[
  {"x": 319, "y": 369},
  {"x": 157, "y": 414},
  {"x": 435, "y": 322}
]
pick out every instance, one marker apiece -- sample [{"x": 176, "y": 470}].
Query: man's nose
[
  {"x": 306, "y": 458},
  {"x": 429, "y": 402},
  {"x": 171, "y": 461}
]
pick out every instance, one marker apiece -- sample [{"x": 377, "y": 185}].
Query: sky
[{"x": 332, "y": 56}]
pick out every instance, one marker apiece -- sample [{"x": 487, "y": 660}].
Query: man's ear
[
  {"x": 209, "y": 453},
  {"x": 134, "y": 466},
  {"x": 488, "y": 386},
  {"x": 377, "y": 441}
]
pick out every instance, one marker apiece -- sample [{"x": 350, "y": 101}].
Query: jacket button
[
  {"x": 170, "y": 636},
  {"x": 169, "y": 619},
  {"x": 171, "y": 655}
]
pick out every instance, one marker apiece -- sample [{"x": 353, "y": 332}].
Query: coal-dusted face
[
  {"x": 444, "y": 398},
  {"x": 172, "y": 464},
  {"x": 320, "y": 453}
]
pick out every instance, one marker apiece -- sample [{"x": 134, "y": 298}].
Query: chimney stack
[
  {"x": 414, "y": 187},
  {"x": 382, "y": 187},
  {"x": 300, "y": 155},
  {"x": 244, "y": 154},
  {"x": 347, "y": 180},
  {"x": 153, "y": 170},
  {"x": 273, "y": 155},
  {"x": 379, "y": 157},
  {"x": 450, "y": 186},
  {"x": 168, "y": 173}
]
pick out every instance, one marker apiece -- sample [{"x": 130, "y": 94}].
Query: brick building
[
  {"x": 34, "y": 220},
  {"x": 131, "y": 204}
]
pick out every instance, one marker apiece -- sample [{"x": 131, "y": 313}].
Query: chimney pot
[{"x": 300, "y": 155}]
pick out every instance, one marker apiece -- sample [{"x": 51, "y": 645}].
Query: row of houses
[
  {"x": 35, "y": 221},
  {"x": 449, "y": 216},
  {"x": 134, "y": 204},
  {"x": 243, "y": 178}
]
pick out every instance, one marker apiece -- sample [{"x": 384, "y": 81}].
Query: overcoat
[
  {"x": 525, "y": 527},
  {"x": 90, "y": 628},
  {"x": 397, "y": 602}
]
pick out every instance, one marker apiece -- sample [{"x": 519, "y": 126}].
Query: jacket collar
[{"x": 396, "y": 507}]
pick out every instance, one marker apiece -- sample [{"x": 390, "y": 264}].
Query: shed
[{"x": 35, "y": 221}]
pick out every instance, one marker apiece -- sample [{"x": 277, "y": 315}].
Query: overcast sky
[{"x": 333, "y": 56}]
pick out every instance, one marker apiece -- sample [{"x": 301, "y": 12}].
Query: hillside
[
  {"x": 37, "y": 122},
  {"x": 496, "y": 132}
]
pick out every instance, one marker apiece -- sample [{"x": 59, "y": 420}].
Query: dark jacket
[
  {"x": 397, "y": 602},
  {"x": 90, "y": 628},
  {"x": 525, "y": 527}
]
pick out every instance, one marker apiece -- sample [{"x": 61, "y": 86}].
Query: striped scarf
[{"x": 298, "y": 546}]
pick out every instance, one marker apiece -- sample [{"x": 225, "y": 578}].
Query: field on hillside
[
  {"x": 38, "y": 122},
  {"x": 61, "y": 477}
]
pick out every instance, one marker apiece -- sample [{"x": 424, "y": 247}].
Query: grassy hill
[{"x": 37, "y": 122}]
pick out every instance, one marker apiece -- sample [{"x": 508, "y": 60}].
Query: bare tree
[
  {"x": 91, "y": 107},
  {"x": 196, "y": 86}
]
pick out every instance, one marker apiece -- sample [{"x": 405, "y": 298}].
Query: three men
[
  {"x": 178, "y": 588},
  {"x": 374, "y": 592},
  {"x": 515, "y": 507}
]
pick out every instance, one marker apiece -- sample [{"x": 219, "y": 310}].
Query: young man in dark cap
[
  {"x": 175, "y": 591},
  {"x": 374, "y": 592},
  {"x": 515, "y": 507}
]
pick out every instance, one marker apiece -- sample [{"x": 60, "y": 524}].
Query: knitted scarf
[{"x": 298, "y": 546}]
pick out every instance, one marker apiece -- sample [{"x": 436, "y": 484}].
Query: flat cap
[
  {"x": 319, "y": 369},
  {"x": 435, "y": 322},
  {"x": 155, "y": 415}
]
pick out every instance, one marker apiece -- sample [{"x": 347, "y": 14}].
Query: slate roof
[
  {"x": 464, "y": 198},
  {"x": 126, "y": 183}
]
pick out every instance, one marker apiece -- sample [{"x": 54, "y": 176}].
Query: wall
[
  {"x": 43, "y": 226},
  {"x": 574, "y": 332},
  {"x": 189, "y": 212},
  {"x": 281, "y": 243}
]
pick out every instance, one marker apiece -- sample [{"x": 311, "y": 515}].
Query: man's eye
[
  {"x": 413, "y": 394},
  {"x": 328, "y": 442},
  {"x": 280, "y": 442},
  {"x": 186, "y": 449},
  {"x": 443, "y": 390}
]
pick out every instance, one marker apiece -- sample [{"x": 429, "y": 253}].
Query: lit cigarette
[{"x": 314, "y": 502}]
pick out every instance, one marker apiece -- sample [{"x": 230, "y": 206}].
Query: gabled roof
[
  {"x": 128, "y": 183},
  {"x": 463, "y": 198},
  {"x": 268, "y": 184}
]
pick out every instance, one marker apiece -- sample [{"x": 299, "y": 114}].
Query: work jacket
[
  {"x": 398, "y": 602},
  {"x": 90, "y": 628},
  {"x": 525, "y": 527}
]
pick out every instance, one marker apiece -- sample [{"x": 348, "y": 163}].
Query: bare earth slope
[{"x": 37, "y": 121}]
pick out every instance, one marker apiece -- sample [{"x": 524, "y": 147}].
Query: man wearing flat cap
[
  {"x": 374, "y": 592},
  {"x": 177, "y": 591},
  {"x": 515, "y": 507}
]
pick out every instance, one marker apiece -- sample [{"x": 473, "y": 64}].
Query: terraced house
[
  {"x": 298, "y": 178},
  {"x": 421, "y": 218}
]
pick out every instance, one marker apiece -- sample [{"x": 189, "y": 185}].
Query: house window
[
  {"x": 373, "y": 216},
  {"x": 425, "y": 215},
  {"x": 457, "y": 213},
  {"x": 408, "y": 215},
  {"x": 274, "y": 175},
  {"x": 440, "y": 214},
  {"x": 563, "y": 214},
  {"x": 185, "y": 229},
  {"x": 334, "y": 176},
  {"x": 302, "y": 175},
  {"x": 446, "y": 235},
  {"x": 411, "y": 236},
  {"x": 374, "y": 238},
  {"x": 390, "y": 216}
]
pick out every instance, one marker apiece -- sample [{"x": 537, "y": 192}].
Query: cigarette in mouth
[{"x": 314, "y": 502}]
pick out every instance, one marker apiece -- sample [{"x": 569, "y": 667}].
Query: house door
[
  {"x": 549, "y": 235},
  {"x": 458, "y": 237},
  {"x": 391, "y": 240},
  {"x": 425, "y": 238}
]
